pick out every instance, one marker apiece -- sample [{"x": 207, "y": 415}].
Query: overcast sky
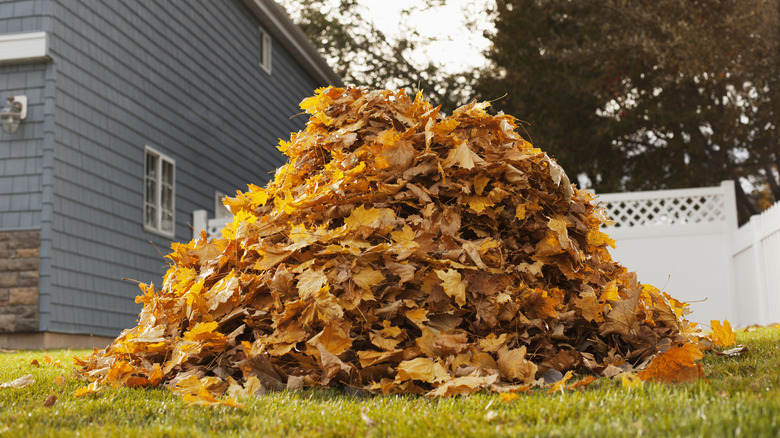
[{"x": 457, "y": 47}]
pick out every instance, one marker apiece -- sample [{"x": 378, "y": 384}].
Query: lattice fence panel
[{"x": 676, "y": 210}]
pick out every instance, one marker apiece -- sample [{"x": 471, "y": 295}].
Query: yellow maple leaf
[
  {"x": 202, "y": 331},
  {"x": 508, "y": 396},
  {"x": 559, "y": 385},
  {"x": 453, "y": 285},
  {"x": 422, "y": 368},
  {"x": 92, "y": 388},
  {"x": 479, "y": 203},
  {"x": 722, "y": 334},
  {"x": 367, "y": 278},
  {"x": 597, "y": 238},
  {"x": 630, "y": 381},
  {"x": 372, "y": 217},
  {"x": 491, "y": 343},
  {"x": 463, "y": 156},
  {"x": 610, "y": 292},
  {"x": 310, "y": 282},
  {"x": 204, "y": 398}
]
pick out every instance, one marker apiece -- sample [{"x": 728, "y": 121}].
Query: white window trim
[
  {"x": 19, "y": 47},
  {"x": 265, "y": 50},
  {"x": 161, "y": 158}
]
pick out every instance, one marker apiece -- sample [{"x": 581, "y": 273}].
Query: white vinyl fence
[
  {"x": 757, "y": 268},
  {"x": 685, "y": 242}
]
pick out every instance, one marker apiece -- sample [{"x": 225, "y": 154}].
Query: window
[
  {"x": 265, "y": 51},
  {"x": 159, "y": 193}
]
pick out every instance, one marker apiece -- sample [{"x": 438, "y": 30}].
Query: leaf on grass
[
  {"x": 630, "y": 381},
  {"x": 675, "y": 365},
  {"x": 722, "y": 334},
  {"x": 734, "y": 352},
  {"x": 205, "y": 398},
  {"x": 561, "y": 384},
  {"x": 21, "y": 382},
  {"x": 509, "y": 396},
  {"x": 50, "y": 401},
  {"x": 92, "y": 388}
]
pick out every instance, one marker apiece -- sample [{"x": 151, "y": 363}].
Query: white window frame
[
  {"x": 265, "y": 50},
  {"x": 155, "y": 225}
]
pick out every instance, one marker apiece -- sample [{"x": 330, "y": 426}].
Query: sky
[{"x": 456, "y": 47}]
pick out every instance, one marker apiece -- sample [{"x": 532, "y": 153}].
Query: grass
[{"x": 739, "y": 397}]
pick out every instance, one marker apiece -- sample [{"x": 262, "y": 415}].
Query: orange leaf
[{"x": 675, "y": 365}]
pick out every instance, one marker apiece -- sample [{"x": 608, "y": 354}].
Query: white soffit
[{"x": 17, "y": 47}]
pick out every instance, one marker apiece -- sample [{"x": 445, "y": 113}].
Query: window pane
[
  {"x": 150, "y": 216},
  {"x": 151, "y": 191},
  {"x": 167, "y": 172},
  {"x": 167, "y": 222},
  {"x": 151, "y": 166}
]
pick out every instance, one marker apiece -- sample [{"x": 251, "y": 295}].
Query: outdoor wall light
[{"x": 13, "y": 113}]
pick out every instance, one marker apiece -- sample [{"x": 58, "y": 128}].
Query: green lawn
[{"x": 739, "y": 397}]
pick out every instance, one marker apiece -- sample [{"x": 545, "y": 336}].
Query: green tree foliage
[
  {"x": 364, "y": 56},
  {"x": 638, "y": 95}
]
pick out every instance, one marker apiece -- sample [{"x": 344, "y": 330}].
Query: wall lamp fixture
[{"x": 13, "y": 113}]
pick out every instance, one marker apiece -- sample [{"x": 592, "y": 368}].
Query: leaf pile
[{"x": 398, "y": 250}]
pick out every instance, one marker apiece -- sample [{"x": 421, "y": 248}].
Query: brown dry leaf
[
  {"x": 50, "y": 401},
  {"x": 514, "y": 366}
]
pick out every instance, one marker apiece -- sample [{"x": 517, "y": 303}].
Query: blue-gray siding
[
  {"x": 180, "y": 76},
  {"x": 21, "y": 154},
  {"x": 17, "y": 16}
]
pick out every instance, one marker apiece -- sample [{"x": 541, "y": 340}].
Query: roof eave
[{"x": 276, "y": 21}]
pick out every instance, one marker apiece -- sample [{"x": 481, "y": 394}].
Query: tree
[
  {"x": 364, "y": 56},
  {"x": 644, "y": 95}
]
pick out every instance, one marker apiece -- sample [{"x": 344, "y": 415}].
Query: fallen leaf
[
  {"x": 50, "y": 401},
  {"x": 677, "y": 364},
  {"x": 630, "y": 381},
  {"x": 21, "y": 382},
  {"x": 92, "y": 388},
  {"x": 722, "y": 334}
]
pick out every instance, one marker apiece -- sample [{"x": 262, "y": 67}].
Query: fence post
[
  {"x": 732, "y": 225},
  {"x": 756, "y": 231}
]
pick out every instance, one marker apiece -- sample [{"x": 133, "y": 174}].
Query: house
[{"x": 137, "y": 114}]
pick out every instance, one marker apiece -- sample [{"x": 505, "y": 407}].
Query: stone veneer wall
[{"x": 19, "y": 265}]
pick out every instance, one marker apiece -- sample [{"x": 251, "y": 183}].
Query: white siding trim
[{"x": 30, "y": 46}]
